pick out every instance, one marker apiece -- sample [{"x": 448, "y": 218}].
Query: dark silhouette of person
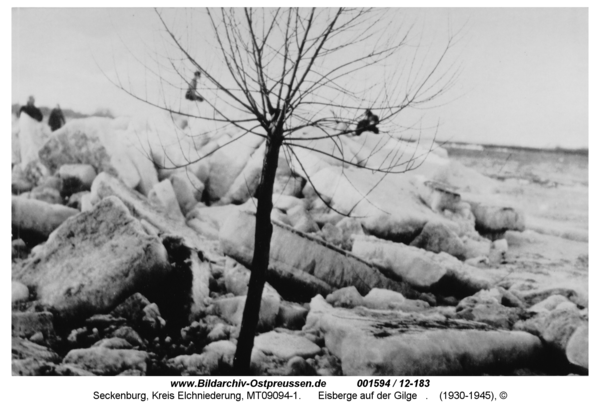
[
  {"x": 191, "y": 94},
  {"x": 368, "y": 123},
  {"x": 31, "y": 110},
  {"x": 56, "y": 120}
]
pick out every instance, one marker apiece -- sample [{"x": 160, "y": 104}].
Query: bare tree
[{"x": 281, "y": 71}]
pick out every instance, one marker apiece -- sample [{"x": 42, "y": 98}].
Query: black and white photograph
[{"x": 380, "y": 193}]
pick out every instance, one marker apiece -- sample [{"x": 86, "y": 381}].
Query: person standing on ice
[
  {"x": 56, "y": 119},
  {"x": 31, "y": 110}
]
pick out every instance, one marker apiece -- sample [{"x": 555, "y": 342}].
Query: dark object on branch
[
  {"x": 56, "y": 120},
  {"x": 31, "y": 110},
  {"x": 191, "y": 94},
  {"x": 368, "y": 123},
  {"x": 274, "y": 112}
]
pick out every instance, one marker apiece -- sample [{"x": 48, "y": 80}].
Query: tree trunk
[{"x": 260, "y": 261}]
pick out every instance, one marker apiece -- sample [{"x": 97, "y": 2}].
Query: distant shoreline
[{"x": 485, "y": 146}]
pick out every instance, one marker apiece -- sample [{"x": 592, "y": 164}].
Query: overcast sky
[{"x": 524, "y": 79}]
